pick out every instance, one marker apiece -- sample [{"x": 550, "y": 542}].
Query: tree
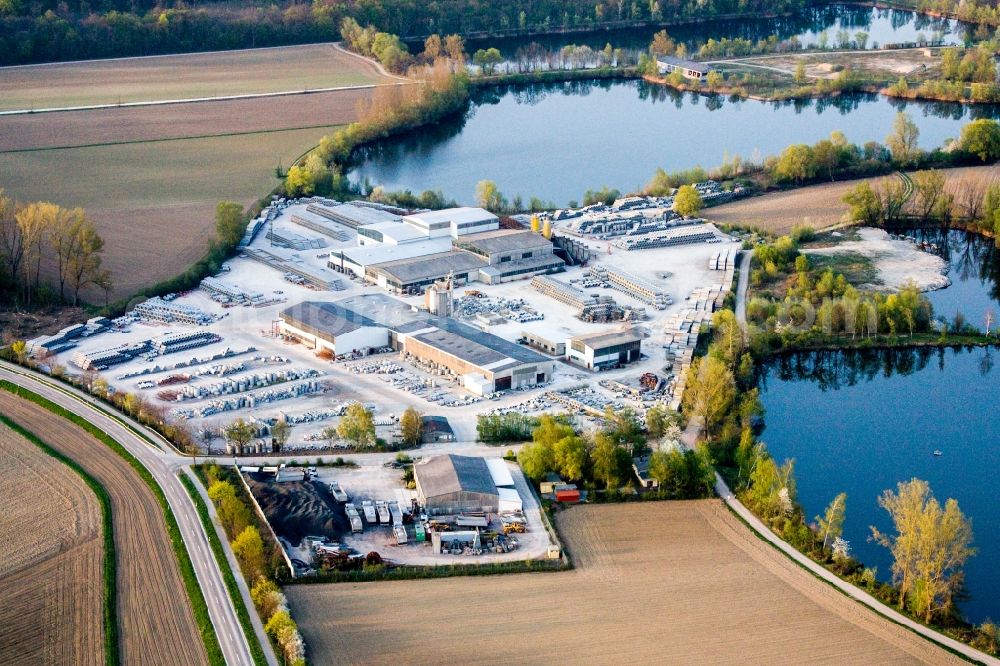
[
  {"x": 63, "y": 236},
  {"x": 249, "y": 549},
  {"x": 658, "y": 420},
  {"x": 662, "y": 44},
  {"x": 982, "y": 138},
  {"x": 229, "y": 223},
  {"x": 831, "y": 525},
  {"x": 20, "y": 349},
  {"x": 536, "y": 460},
  {"x": 714, "y": 79},
  {"x": 433, "y": 47},
  {"x": 800, "y": 73},
  {"x": 357, "y": 425},
  {"x": 902, "y": 142},
  {"x": 219, "y": 490},
  {"x": 610, "y": 460},
  {"x": 454, "y": 46},
  {"x": 710, "y": 393},
  {"x": 687, "y": 201},
  {"x": 11, "y": 240},
  {"x": 861, "y": 39},
  {"x": 930, "y": 198},
  {"x": 412, "y": 426},
  {"x": 487, "y": 59},
  {"x": 795, "y": 163},
  {"x": 571, "y": 457},
  {"x": 84, "y": 263},
  {"x": 488, "y": 195},
  {"x": 34, "y": 222},
  {"x": 239, "y": 433},
  {"x": 929, "y": 548},
  {"x": 280, "y": 432},
  {"x": 266, "y": 596}
]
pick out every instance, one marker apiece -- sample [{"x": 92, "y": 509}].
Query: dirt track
[
  {"x": 155, "y": 618},
  {"x": 664, "y": 582},
  {"x": 50, "y": 560}
]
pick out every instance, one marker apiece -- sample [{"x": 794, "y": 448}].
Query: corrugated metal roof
[{"x": 441, "y": 475}]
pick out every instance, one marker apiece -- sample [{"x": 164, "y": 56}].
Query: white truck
[
  {"x": 369, "y": 510},
  {"x": 383, "y": 511}
]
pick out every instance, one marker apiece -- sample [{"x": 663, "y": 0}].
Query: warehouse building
[
  {"x": 511, "y": 254},
  {"x": 352, "y": 215},
  {"x": 323, "y": 327},
  {"x": 358, "y": 261},
  {"x": 389, "y": 233},
  {"x": 484, "y": 363},
  {"x": 453, "y": 222},
  {"x": 411, "y": 276},
  {"x": 598, "y": 351},
  {"x": 695, "y": 71},
  {"x": 450, "y": 485}
]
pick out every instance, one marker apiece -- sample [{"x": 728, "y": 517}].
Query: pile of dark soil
[{"x": 299, "y": 508}]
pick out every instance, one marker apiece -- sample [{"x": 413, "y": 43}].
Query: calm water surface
[
  {"x": 556, "y": 141},
  {"x": 860, "y": 422}
]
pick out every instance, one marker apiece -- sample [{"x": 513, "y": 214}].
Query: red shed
[{"x": 568, "y": 494}]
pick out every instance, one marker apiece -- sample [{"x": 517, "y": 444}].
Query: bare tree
[
  {"x": 11, "y": 240},
  {"x": 970, "y": 191},
  {"x": 84, "y": 263}
]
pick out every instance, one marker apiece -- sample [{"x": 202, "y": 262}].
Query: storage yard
[
  {"x": 51, "y": 560},
  {"x": 464, "y": 510},
  {"x": 298, "y": 334},
  {"x": 686, "y": 577},
  {"x": 156, "y": 623}
]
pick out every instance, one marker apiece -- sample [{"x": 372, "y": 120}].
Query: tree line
[
  {"x": 48, "y": 254},
  {"x": 49, "y": 30}
]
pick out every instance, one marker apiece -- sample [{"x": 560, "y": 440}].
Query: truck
[
  {"x": 400, "y": 533},
  {"x": 338, "y": 492},
  {"x": 354, "y": 517},
  {"x": 383, "y": 511},
  {"x": 396, "y": 513},
  {"x": 369, "y": 510}
]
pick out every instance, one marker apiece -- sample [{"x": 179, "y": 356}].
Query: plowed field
[
  {"x": 50, "y": 560},
  {"x": 669, "y": 582},
  {"x": 155, "y": 618}
]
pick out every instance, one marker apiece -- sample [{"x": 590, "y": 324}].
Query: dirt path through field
[
  {"x": 50, "y": 560},
  {"x": 155, "y": 618},
  {"x": 665, "y": 582}
]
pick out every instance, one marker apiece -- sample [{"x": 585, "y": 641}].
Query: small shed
[
  {"x": 567, "y": 493},
  {"x": 436, "y": 429}
]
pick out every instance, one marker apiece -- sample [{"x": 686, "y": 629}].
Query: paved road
[{"x": 233, "y": 642}]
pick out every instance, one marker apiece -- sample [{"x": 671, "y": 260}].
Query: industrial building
[
  {"x": 484, "y": 363},
  {"x": 322, "y": 326},
  {"x": 601, "y": 350},
  {"x": 453, "y": 222},
  {"x": 511, "y": 254},
  {"x": 450, "y": 485},
  {"x": 359, "y": 261},
  {"x": 389, "y": 233},
  {"x": 411, "y": 276},
  {"x": 695, "y": 71},
  {"x": 353, "y": 215}
]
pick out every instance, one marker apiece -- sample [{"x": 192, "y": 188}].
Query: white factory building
[
  {"x": 453, "y": 222},
  {"x": 323, "y": 328}
]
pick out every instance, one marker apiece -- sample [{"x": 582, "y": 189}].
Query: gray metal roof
[
  {"x": 503, "y": 240},
  {"x": 441, "y": 475},
  {"x": 686, "y": 64},
  {"x": 429, "y": 267},
  {"x": 327, "y": 320}
]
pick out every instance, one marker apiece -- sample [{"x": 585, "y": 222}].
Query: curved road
[{"x": 220, "y": 608}]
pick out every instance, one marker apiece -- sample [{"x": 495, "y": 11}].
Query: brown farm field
[
  {"x": 185, "y": 76},
  {"x": 817, "y": 206},
  {"x": 51, "y": 556},
  {"x": 154, "y": 203},
  {"x": 155, "y": 619},
  {"x": 667, "y": 582}
]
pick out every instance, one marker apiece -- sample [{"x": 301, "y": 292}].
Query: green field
[
  {"x": 182, "y": 77},
  {"x": 153, "y": 202}
]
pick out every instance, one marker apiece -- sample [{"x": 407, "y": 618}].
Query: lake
[
  {"x": 884, "y": 26},
  {"x": 860, "y": 422},
  {"x": 555, "y": 141}
]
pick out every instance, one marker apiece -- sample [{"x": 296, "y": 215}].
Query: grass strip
[
  {"x": 227, "y": 572},
  {"x": 198, "y": 605},
  {"x": 112, "y": 656}
]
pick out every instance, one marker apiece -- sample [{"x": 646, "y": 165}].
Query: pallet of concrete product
[{"x": 315, "y": 223}]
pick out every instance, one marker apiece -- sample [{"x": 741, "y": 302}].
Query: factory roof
[
  {"x": 363, "y": 215},
  {"x": 324, "y": 319},
  {"x": 395, "y": 230},
  {"x": 371, "y": 255},
  {"x": 418, "y": 269},
  {"x": 455, "y": 215},
  {"x": 500, "y": 472},
  {"x": 502, "y": 240},
  {"x": 442, "y": 475},
  {"x": 603, "y": 339},
  {"x": 546, "y": 261}
]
